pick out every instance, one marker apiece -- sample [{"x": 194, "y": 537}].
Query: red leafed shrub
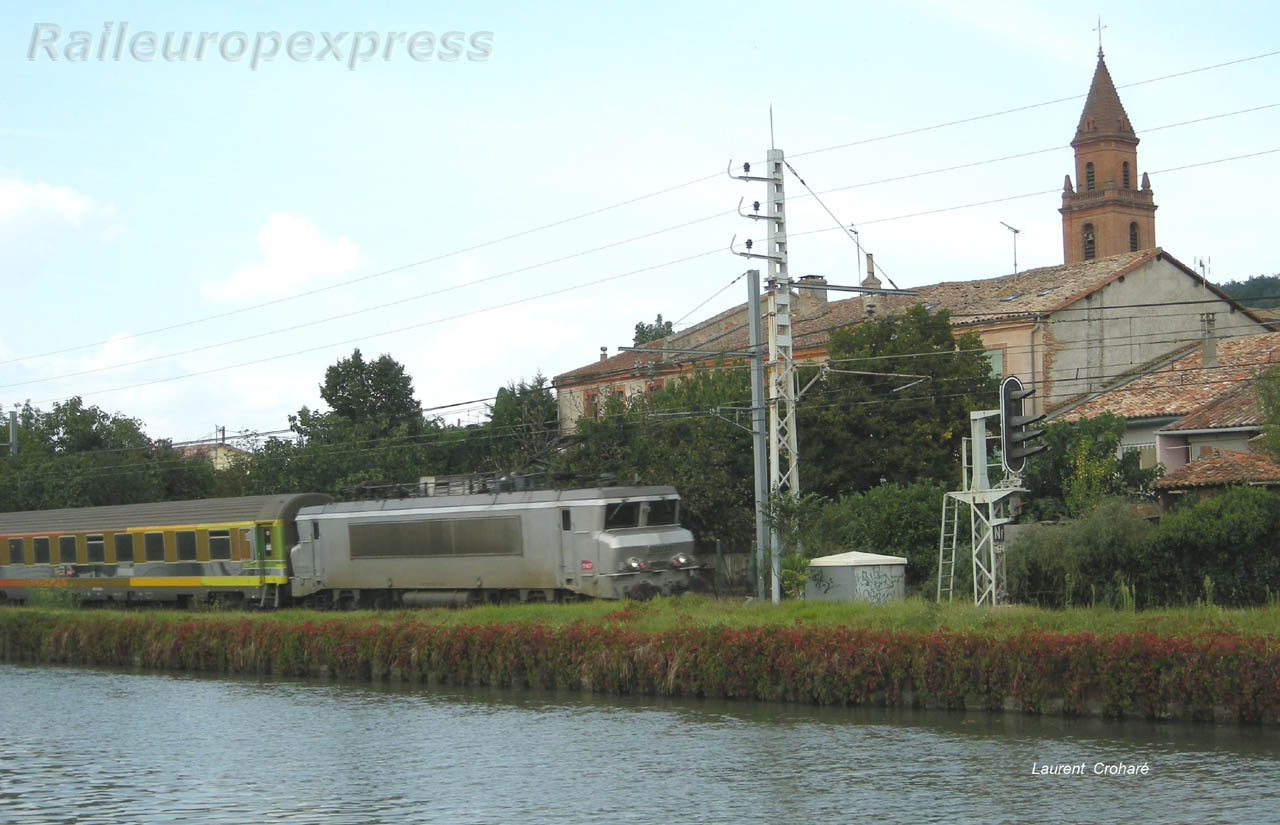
[{"x": 1120, "y": 675}]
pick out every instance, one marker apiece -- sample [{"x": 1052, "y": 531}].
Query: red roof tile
[
  {"x": 1186, "y": 386},
  {"x": 1236, "y": 406},
  {"x": 1025, "y": 294},
  {"x": 1222, "y": 468}
]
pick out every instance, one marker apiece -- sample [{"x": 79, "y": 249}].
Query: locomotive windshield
[
  {"x": 666, "y": 511},
  {"x": 624, "y": 514},
  {"x": 630, "y": 514}
]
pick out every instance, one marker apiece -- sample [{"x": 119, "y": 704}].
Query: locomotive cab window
[
  {"x": 95, "y": 549},
  {"x": 666, "y": 511},
  {"x": 15, "y": 551},
  {"x": 67, "y": 549},
  {"x": 622, "y": 515},
  {"x": 40, "y": 547}
]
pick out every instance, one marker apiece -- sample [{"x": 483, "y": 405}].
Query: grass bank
[{"x": 1195, "y": 663}]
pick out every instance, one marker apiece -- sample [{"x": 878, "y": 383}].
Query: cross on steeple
[{"x": 1099, "y": 29}]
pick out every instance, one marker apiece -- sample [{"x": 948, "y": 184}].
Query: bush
[
  {"x": 1223, "y": 550},
  {"x": 1093, "y": 560},
  {"x": 892, "y": 519}
]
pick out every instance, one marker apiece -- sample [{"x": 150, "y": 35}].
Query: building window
[
  {"x": 124, "y": 547},
  {"x": 1124, "y": 173},
  {"x": 1133, "y": 237},
  {"x": 153, "y": 546},
  {"x": 590, "y": 405},
  {"x": 15, "y": 552},
  {"x": 40, "y": 547},
  {"x": 1088, "y": 176},
  {"x": 186, "y": 540},
  {"x": 67, "y": 549},
  {"x": 1090, "y": 249},
  {"x": 220, "y": 545},
  {"x": 95, "y": 548},
  {"x": 995, "y": 357}
]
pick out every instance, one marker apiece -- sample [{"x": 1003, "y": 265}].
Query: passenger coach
[{"x": 229, "y": 550}]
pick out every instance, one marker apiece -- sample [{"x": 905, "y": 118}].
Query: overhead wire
[{"x": 609, "y": 207}]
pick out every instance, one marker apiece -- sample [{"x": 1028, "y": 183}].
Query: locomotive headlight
[
  {"x": 634, "y": 564},
  {"x": 682, "y": 560}
]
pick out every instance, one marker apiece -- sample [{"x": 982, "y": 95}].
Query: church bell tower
[{"x": 1107, "y": 212}]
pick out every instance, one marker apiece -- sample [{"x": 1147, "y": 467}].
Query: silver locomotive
[{"x": 540, "y": 545}]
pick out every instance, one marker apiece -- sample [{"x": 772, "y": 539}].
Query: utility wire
[{"x": 610, "y": 207}]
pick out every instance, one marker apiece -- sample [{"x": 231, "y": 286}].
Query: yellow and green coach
[{"x": 228, "y": 550}]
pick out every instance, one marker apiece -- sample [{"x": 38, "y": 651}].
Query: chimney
[
  {"x": 870, "y": 282},
  {"x": 1208, "y": 343},
  {"x": 817, "y": 297},
  {"x": 604, "y": 353}
]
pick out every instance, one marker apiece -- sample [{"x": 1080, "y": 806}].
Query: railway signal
[{"x": 1015, "y": 429}]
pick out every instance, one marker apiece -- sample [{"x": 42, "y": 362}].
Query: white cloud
[
  {"x": 28, "y": 204},
  {"x": 293, "y": 254}
]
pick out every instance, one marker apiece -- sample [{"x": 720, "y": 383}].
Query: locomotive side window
[
  {"x": 315, "y": 529},
  {"x": 95, "y": 549},
  {"x": 565, "y": 523},
  {"x": 40, "y": 547},
  {"x": 153, "y": 546},
  {"x": 15, "y": 551},
  {"x": 67, "y": 549},
  {"x": 625, "y": 514},
  {"x": 497, "y": 536},
  {"x": 186, "y": 540},
  {"x": 124, "y": 547},
  {"x": 666, "y": 511},
  {"x": 220, "y": 545}
]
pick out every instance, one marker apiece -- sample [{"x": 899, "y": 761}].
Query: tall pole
[
  {"x": 13, "y": 433},
  {"x": 784, "y": 468},
  {"x": 759, "y": 441}
]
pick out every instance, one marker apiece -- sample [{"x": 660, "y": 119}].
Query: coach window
[
  {"x": 95, "y": 549},
  {"x": 40, "y": 547},
  {"x": 565, "y": 522},
  {"x": 67, "y": 549},
  {"x": 153, "y": 546},
  {"x": 186, "y": 540},
  {"x": 220, "y": 545},
  {"x": 124, "y": 547},
  {"x": 15, "y": 551}
]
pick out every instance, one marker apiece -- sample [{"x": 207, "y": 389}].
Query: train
[{"x": 306, "y": 549}]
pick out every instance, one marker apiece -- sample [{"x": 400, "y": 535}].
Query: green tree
[
  {"x": 895, "y": 407},
  {"x": 523, "y": 426},
  {"x": 375, "y": 396},
  {"x": 1268, "y": 384},
  {"x": 1260, "y": 291},
  {"x": 77, "y": 455},
  {"x": 652, "y": 332},
  {"x": 1081, "y": 467}
]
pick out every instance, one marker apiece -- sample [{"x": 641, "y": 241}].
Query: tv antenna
[{"x": 1015, "y": 245}]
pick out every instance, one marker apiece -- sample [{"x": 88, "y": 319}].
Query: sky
[{"x": 192, "y": 242}]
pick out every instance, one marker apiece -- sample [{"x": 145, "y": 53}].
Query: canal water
[{"x": 99, "y": 746}]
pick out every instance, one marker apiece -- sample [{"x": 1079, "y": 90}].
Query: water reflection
[{"x": 114, "y": 747}]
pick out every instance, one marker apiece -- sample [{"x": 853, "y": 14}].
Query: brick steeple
[{"x": 1106, "y": 213}]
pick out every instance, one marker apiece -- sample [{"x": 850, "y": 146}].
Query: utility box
[{"x": 857, "y": 577}]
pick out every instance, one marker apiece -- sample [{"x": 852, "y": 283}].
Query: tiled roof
[
  {"x": 1236, "y": 406},
  {"x": 1186, "y": 386},
  {"x": 1025, "y": 294},
  {"x": 1222, "y": 468},
  {"x": 1103, "y": 114}
]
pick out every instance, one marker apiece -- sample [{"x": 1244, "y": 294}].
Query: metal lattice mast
[{"x": 780, "y": 378}]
